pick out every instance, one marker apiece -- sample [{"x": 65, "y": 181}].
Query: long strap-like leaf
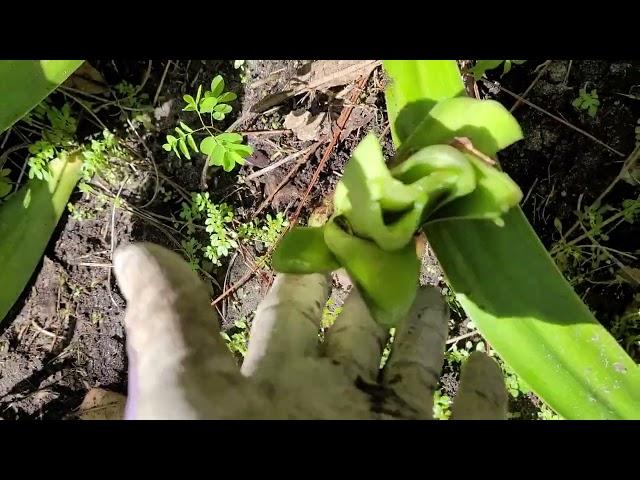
[
  {"x": 25, "y": 83},
  {"x": 29, "y": 217}
]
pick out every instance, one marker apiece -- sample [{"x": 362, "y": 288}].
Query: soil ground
[{"x": 65, "y": 335}]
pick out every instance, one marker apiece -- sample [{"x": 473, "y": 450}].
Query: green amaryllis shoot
[{"x": 377, "y": 210}]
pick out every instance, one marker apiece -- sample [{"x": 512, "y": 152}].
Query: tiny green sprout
[
  {"x": 239, "y": 340},
  {"x": 131, "y": 97},
  {"x": 587, "y": 101},
  {"x": 546, "y": 413},
  {"x": 191, "y": 248},
  {"x": 79, "y": 213}
]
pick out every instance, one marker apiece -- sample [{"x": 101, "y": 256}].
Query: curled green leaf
[
  {"x": 388, "y": 280},
  {"x": 303, "y": 250},
  {"x": 377, "y": 211}
]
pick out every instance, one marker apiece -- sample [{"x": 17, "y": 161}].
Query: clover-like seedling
[{"x": 587, "y": 101}]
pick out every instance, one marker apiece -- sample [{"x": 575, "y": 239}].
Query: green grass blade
[
  {"x": 27, "y": 220},
  {"x": 25, "y": 83},
  {"x": 510, "y": 287}
]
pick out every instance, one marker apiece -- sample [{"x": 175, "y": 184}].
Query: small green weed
[
  {"x": 224, "y": 149},
  {"x": 58, "y": 127},
  {"x": 441, "y": 406},
  {"x": 201, "y": 215},
  {"x": 97, "y": 157},
  {"x": 452, "y": 301},
  {"x": 241, "y": 65},
  {"x": 626, "y": 327},
  {"x": 80, "y": 213},
  {"x": 515, "y": 385},
  {"x": 587, "y": 101},
  {"x": 130, "y": 98},
  {"x": 217, "y": 220},
  {"x": 581, "y": 257},
  {"x": 482, "y": 66},
  {"x": 546, "y": 413},
  {"x": 238, "y": 341},
  {"x": 267, "y": 233},
  {"x": 459, "y": 355}
]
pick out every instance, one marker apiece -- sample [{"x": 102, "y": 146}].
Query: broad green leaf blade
[
  {"x": 25, "y": 83},
  {"x": 487, "y": 123},
  {"x": 303, "y": 250},
  {"x": 409, "y": 81},
  {"x": 367, "y": 264},
  {"x": 534, "y": 320},
  {"x": 27, "y": 220},
  {"x": 509, "y": 286}
]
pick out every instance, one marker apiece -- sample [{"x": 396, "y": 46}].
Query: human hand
[{"x": 180, "y": 367}]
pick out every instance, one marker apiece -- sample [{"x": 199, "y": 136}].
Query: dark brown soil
[{"x": 555, "y": 165}]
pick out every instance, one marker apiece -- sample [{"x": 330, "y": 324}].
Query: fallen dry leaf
[
  {"x": 87, "y": 79},
  {"x": 325, "y": 74},
  {"x": 318, "y": 75},
  {"x": 101, "y": 404},
  {"x": 304, "y": 125}
]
